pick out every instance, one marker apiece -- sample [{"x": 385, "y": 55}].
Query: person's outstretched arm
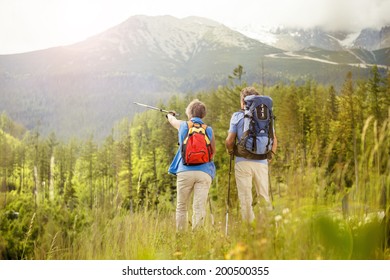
[{"x": 173, "y": 121}]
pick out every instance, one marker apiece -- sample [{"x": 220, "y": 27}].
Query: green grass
[
  {"x": 304, "y": 225},
  {"x": 287, "y": 233},
  {"x": 310, "y": 220}
]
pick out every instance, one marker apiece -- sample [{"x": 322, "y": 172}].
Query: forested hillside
[{"x": 86, "y": 199}]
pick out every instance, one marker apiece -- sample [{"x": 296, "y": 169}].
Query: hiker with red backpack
[
  {"x": 193, "y": 164},
  {"x": 253, "y": 129}
]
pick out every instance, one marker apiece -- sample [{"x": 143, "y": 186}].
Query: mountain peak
[
  {"x": 201, "y": 20},
  {"x": 166, "y": 37}
]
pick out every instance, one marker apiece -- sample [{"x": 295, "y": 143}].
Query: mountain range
[
  {"x": 84, "y": 88},
  {"x": 295, "y": 39}
]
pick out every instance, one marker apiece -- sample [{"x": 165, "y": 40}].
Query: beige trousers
[
  {"x": 199, "y": 183},
  {"x": 247, "y": 172}
]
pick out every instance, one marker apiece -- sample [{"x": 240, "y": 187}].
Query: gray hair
[{"x": 196, "y": 108}]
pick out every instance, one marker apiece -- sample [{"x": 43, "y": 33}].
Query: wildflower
[
  {"x": 278, "y": 218},
  {"x": 238, "y": 252},
  {"x": 380, "y": 214},
  {"x": 262, "y": 241},
  {"x": 178, "y": 255},
  {"x": 367, "y": 219}
]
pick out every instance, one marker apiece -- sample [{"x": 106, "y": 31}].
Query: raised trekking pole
[
  {"x": 154, "y": 108},
  {"x": 228, "y": 197}
]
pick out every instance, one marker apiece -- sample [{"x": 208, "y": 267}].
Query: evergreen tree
[
  {"x": 375, "y": 96},
  {"x": 349, "y": 139},
  {"x": 125, "y": 154},
  {"x": 88, "y": 169},
  {"x": 69, "y": 166},
  {"x": 238, "y": 72}
]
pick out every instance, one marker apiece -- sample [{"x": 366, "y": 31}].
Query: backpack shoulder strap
[
  {"x": 239, "y": 114},
  {"x": 190, "y": 124}
]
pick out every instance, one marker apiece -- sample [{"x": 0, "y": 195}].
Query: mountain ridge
[
  {"x": 84, "y": 88},
  {"x": 294, "y": 39}
]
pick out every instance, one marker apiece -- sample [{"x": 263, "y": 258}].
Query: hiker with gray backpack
[{"x": 251, "y": 138}]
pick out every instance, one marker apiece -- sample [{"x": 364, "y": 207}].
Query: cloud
[
  {"x": 349, "y": 15},
  {"x": 27, "y": 25},
  {"x": 354, "y": 15}
]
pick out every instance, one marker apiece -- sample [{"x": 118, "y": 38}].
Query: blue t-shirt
[
  {"x": 237, "y": 127},
  {"x": 177, "y": 165}
]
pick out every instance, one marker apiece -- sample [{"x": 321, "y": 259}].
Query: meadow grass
[
  {"x": 315, "y": 216},
  {"x": 289, "y": 232}
]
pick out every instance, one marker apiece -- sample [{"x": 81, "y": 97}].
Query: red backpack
[{"x": 196, "y": 148}]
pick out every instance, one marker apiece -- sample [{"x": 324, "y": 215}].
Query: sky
[{"x": 28, "y": 25}]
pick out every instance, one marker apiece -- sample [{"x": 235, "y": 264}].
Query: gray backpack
[{"x": 258, "y": 135}]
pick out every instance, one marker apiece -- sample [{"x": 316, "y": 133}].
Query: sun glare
[{"x": 77, "y": 20}]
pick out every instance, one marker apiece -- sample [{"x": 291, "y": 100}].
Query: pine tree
[
  {"x": 89, "y": 155},
  {"x": 348, "y": 119},
  {"x": 125, "y": 151},
  {"x": 69, "y": 169},
  {"x": 374, "y": 96}
]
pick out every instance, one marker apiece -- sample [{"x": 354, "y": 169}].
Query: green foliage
[{"x": 113, "y": 199}]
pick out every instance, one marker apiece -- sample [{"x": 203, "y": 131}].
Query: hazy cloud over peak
[
  {"x": 347, "y": 15},
  {"x": 27, "y": 25}
]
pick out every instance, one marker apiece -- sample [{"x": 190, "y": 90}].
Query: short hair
[
  {"x": 248, "y": 91},
  {"x": 196, "y": 108}
]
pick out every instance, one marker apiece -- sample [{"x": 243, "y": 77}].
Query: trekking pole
[
  {"x": 228, "y": 196},
  {"x": 154, "y": 108},
  {"x": 211, "y": 211},
  {"x": 270, "y": 187}
]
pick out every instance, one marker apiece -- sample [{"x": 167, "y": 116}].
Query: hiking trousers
[
  {"x": 247, "y": 172},
  {"x": 199, "y": 183}
]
